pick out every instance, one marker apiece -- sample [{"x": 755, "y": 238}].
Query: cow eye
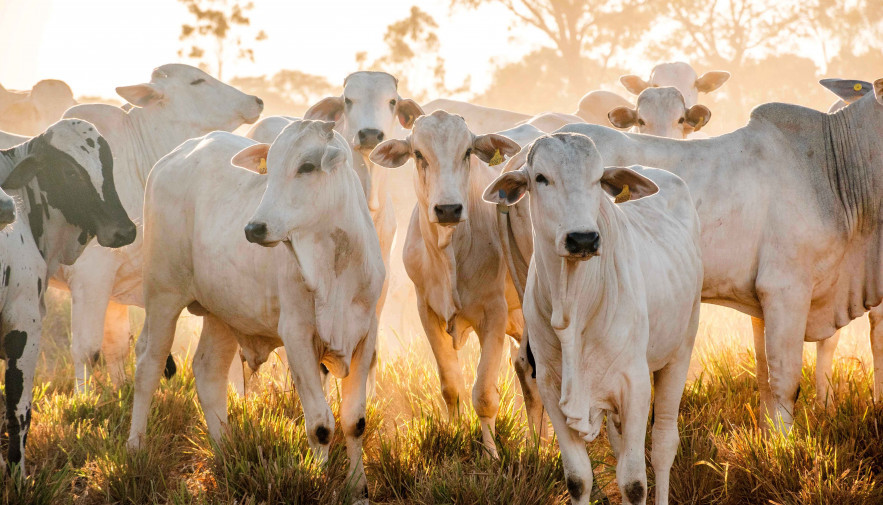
[
  {"x": 392, "y": 103},
  {"x": 306, "y": 168},
  {"x": 468, "y": 153},
  {"x": 681, "y": 121},
  {"x": 541, "y": 179},
  {"x": 641, "y": 122},
  {"x": 198, "y": 81},
  {"x": 348, "y": 102}
]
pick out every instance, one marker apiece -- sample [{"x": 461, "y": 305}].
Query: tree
[
  {"x": 222, "y": 24},
  {"x": 850, "y": 36}
]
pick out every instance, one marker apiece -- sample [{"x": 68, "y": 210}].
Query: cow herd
[{"x": 283, "y": 237}]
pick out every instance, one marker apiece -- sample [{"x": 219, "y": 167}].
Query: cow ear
[
  {"x": 623, "y": 117},
  {"x": 391, "y": 153},
  {"x": 21, "y": 174},
  {"x": 508, "y": 189},
  {"x": 878, "y": 91},
  {"x": 493, "y": 148},
  {"x": 252, "y": 158},
  {"x": 615, "y": 180},
  {"x": 326, "y": 109},
  {"x": 407, "y": 111},
  {"x": 698, "y": 116},
  {"x": 332, "y": 158},
  {"x": 710, "y": 81},
  {"x": 848, "y": 90},
  {"x": 140, "y": 95},
  {"x": 634, "y": 84}
]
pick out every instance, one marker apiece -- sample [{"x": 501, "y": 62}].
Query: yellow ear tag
[
  {"x": 497, "y": 159},
  {"x": 857, "y": 87},
  {"x": 262, "y": 168},
  {"x": 624, "y": 195}
]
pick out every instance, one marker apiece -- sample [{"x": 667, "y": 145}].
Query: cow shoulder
[
  {"x": 787, "y": 117},
  {"x": 107, "y": 118}
]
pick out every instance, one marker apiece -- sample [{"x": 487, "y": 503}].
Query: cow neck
[
  {"x": 374, "y": 186},
  {"x": 52, "y": 234},
  {"x": 852, "y": 174},
  {"x": 336, "y": 263}
]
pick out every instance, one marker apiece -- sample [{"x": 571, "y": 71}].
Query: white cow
[
  {"x": 179, "y": 102},
  {"x": 661, "y": 112},
  {"x": 594, "y": 106},
  {"x": 551, "y": 121},
  {"x": 789, "y": 207},
  {"x": 612, "y": 295},
  {"x": 678, "y": 75},
  {"x": 453, "y": 255},
  {"x": 480, "y": 119},
  {"x": 31, "y": 112},
  {"x": 63, "y": 182},
  {"x": 316, "y": 295}
]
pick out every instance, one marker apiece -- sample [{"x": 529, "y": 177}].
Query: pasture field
[{"x": 77, "y": 455}]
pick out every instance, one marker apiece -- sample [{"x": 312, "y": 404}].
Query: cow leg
[
  {"x": 21, "y": 345},
  {"x": 116, "y": 341},
  {"x": 452, "y": 385},
  {"x": 614, "y": 433},
  {"x": 784, "y": 309},
  {"x": 825, "y": 369},
  {"x": 876, "y": 317},
  {"x": 669, "y": 388},
  {"x": 762, "y": 371},
  {"x": 90, "y": 294},
  {"x": 302, "y": 360},
  {"x": 214, "y": 354},
  {"x": 352, "y": 411},
  {"x": 485, "y": 395},
  {"x": 526, "y": 373},
  {"x": 631, "y": 470},
  {"x": 152, "y": 349}
]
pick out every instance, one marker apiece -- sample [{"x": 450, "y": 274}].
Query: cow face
[
  {"x": 306, "y": 169},
  {"x": 661, "y": 112},
  {"x": 570, "y": 192},
  {"x": 443, "y": 147},
  {"x": 7, "y": 210},
  {"x": 367, "y": 111},
  {"x": 67, "y": 173},
  {"x": 678, "y": 75},
  {"x": 205, "y": 103}
]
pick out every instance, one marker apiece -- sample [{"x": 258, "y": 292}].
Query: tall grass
[{"x": 415, "y": 455}]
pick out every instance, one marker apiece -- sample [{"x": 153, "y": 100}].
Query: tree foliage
[{"x": 217, "y": 28}]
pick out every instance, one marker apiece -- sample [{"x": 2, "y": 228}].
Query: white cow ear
[
  {"x": 22, "y": 173},
  {"x": 326, "y": 109},
  {"x": 508, "y": 189},
  {"x": 391, "y": 153},
  {"x": 140, "y": 95},
  {"x": 710, "y": 81},
  {"x": 493, "y": 148},
  {"x": 252, "y": 158},
  {"x": 623, "y": 117},
  {"x": 615, "y": 180},
  {"x": 634, "y": 84},
  {"x": 407, "y": 111},
  {"x": 698, "y": 116}
]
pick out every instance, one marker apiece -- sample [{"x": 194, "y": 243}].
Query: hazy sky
[{"x": 96, "y": 45}]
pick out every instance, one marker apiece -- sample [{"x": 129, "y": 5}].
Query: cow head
[
  {"x": 306, "y": 166},
  {"x": 31, "y": 113},
  {"x": 367, "y": 111},
  {"x": 7, "y": 210},
  {"x": 199, "y": 100},
  {"x": 68, "y": 172},
  {"x": 569, "y": 189},
  {"x": 661, "y": 112},
  {"x": 679, "y": 75},
  {"x": 443, "y": 148}
]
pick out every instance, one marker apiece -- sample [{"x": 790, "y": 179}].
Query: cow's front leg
[
  {"x": 214, "y": 353},
  {"x": 21, "y": 344},
  {"x": 115, "y": 346},
  {"x": 91, "y": 286},
  {"x": 825, "y": 350},
  {"x": 785, "y": 307},
  {"x": 352, "y": 412},
  {"x": 876, "y": 318},
  {"x": 485, "y": 396},
  {"x": 303, "y": 360},
  {"x": 453, "y": 387},
  {"x": 525, "y": 369},
  {"x": 631, "y": 470}
]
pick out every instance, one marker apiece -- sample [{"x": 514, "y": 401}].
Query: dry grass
[{"x": 77, "y": 454}]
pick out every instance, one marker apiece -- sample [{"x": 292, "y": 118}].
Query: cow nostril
[
  {"x": 448, "y": 214},
  {"x": 259, "y": 101},
  {"x": 380, "y": 137},
  {"x": 582, "y": 242},
  {"x": 255, "y": 232}
]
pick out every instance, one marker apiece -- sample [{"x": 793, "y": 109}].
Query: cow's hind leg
[
  {"x": 115, "y": 346},
  {"x": 214, "y": 353},
  {"x": 90, "y": 295},
  {"x": 452, "y": 386},
  {"x": 352, "y": 411},
  {"x": 876, "y": 317},
  {"x": 525, "y": 370},
  {"x": 825, "y": 350},
  {"x": 152, "y": 349},
  {"x": 21, "y": 344}
]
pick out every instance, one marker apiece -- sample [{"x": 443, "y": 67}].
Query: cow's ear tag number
[
  {"x": 497, "y": 159},
  {"x": 262, "y": 168},
  {"x": 624, "y": 195}
]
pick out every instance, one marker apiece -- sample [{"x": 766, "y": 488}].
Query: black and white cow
[{"x": 62, "y": 181}]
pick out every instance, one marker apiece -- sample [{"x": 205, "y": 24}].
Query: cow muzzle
[
  {"x": 369, "y": 138},
  {"x": 582, "y": 245},
  {"x": 256, "y": 232},
  {"x": 449, "y": 214},
  {"x": 117, "y": 236}
]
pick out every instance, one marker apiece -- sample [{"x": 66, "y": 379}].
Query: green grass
[{"x": 414, "y": 455}]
